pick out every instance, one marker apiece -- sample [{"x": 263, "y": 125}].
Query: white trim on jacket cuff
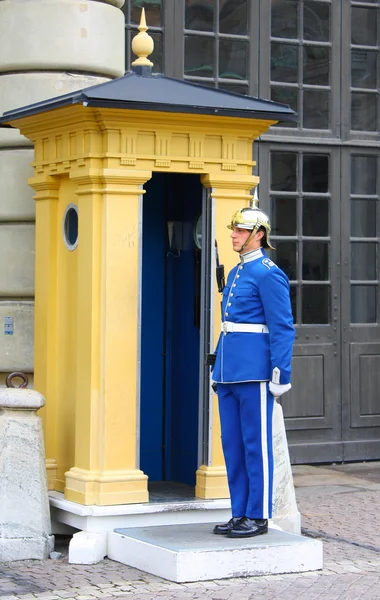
[{"x": 276, "y": 375}]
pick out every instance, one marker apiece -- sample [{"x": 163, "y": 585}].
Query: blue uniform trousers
[{"x": 246, "y": 411}]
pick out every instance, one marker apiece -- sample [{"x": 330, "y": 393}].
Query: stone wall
[{"x": 48, "y": 48}]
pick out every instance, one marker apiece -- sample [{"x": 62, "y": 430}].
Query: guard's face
[{"x": 239, "y": 237}]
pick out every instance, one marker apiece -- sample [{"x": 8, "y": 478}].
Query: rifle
[
  {"x": 219, "y": 271},
  {"x": 210, "y": 358}
]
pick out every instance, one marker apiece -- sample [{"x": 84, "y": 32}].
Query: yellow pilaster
[
  {"x": 230, "y": 192},
  {"x": 106, "y": 436},
  {"x": 45, "y": 314}
]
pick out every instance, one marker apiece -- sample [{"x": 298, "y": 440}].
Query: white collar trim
[{"x": 252, "y": 255}]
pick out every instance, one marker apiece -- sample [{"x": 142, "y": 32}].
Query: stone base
[
  {"x": 69, "y": 517},
  {"x": 291, "y": 523},
  {"x": 87, "y": 548},
  {"x": 73, "y": 516},
  {"x": 194, "y": 553},
  {"x": 26, "y": 548}
]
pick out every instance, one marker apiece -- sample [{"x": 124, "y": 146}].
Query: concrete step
[
  {"x": 68, "y": 517},
  {"x": 193, "y": 553}
]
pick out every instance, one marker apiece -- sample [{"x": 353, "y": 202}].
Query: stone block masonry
[
  {"x": 25, "y": 530},
  {"x": 49, "y": 48}
]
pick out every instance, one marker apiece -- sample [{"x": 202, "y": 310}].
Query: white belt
[{"x": 229, "y": 327}]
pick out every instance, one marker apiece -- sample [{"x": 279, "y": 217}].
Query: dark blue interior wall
[
  {"x": 184, "y": 205},
  {"x": 170, "y": 333}
]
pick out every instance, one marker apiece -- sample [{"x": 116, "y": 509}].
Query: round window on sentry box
[{"x": 70, "y": 227}]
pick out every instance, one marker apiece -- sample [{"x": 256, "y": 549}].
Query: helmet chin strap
[{"x": 254, "y": 230}]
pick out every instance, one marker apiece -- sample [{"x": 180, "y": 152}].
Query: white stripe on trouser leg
[{"x": 264, "y": 447}]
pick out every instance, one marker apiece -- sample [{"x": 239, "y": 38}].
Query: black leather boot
[
  {"x": 226, "y": 527},
  {"x": 248, "y": 528}
]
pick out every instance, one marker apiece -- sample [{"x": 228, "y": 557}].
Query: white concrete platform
[
  {"x": 69, "y": 517},
  {"x": 193, "y": 553}
]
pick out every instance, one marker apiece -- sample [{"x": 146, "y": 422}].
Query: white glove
[{"x": 277, "y": 389}]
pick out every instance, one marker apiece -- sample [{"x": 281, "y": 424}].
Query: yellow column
[
  {"x": 230, "y": 192},
  {"x": 45, "y": 313},
  {"x": 105, "y": 471}
]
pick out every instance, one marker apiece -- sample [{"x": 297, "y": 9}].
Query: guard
[{"x": 252, "y": 367}]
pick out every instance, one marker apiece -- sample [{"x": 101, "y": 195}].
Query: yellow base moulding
[
  {"x": 107, "y": 488},
  {"x": 211, "y": 483}
]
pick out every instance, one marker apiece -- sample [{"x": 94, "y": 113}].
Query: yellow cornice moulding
[{"x": 78, "y": 117}]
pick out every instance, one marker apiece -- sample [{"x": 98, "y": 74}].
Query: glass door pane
[
  {"x": 301, "y": 60},
  {"x": 364, "y": 238},
  {"x": 300, "y": 202},
  {"x": 216, "y": 48},
  {"x": 364, "y": 67}
]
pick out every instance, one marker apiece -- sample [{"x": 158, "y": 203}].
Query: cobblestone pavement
[{"x": 344, "y": 515}]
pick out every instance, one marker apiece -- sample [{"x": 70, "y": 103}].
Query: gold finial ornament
[{"x": 142, "y": 44}]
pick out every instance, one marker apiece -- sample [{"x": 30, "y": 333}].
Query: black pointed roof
[{"x": 141, "y": 90}]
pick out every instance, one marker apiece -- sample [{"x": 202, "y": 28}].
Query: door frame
[
  {"x": 206, "y": 327},
  {"x": 360, "y": 341}
]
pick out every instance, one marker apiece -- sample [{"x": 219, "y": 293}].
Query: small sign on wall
[{"x": 8, "y": 325}]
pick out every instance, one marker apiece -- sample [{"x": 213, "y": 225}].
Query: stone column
[
  {"x": 48, "y": 48},
  {"x": 24, "y": 515}
]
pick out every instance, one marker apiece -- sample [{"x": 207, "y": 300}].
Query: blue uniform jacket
[{"x": 257, "y": 291}]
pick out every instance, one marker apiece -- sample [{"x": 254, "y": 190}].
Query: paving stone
[{"x": 332, "y": 513}]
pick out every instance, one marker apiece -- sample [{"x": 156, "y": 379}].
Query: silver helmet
[{"x": 252, "y": 219}]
